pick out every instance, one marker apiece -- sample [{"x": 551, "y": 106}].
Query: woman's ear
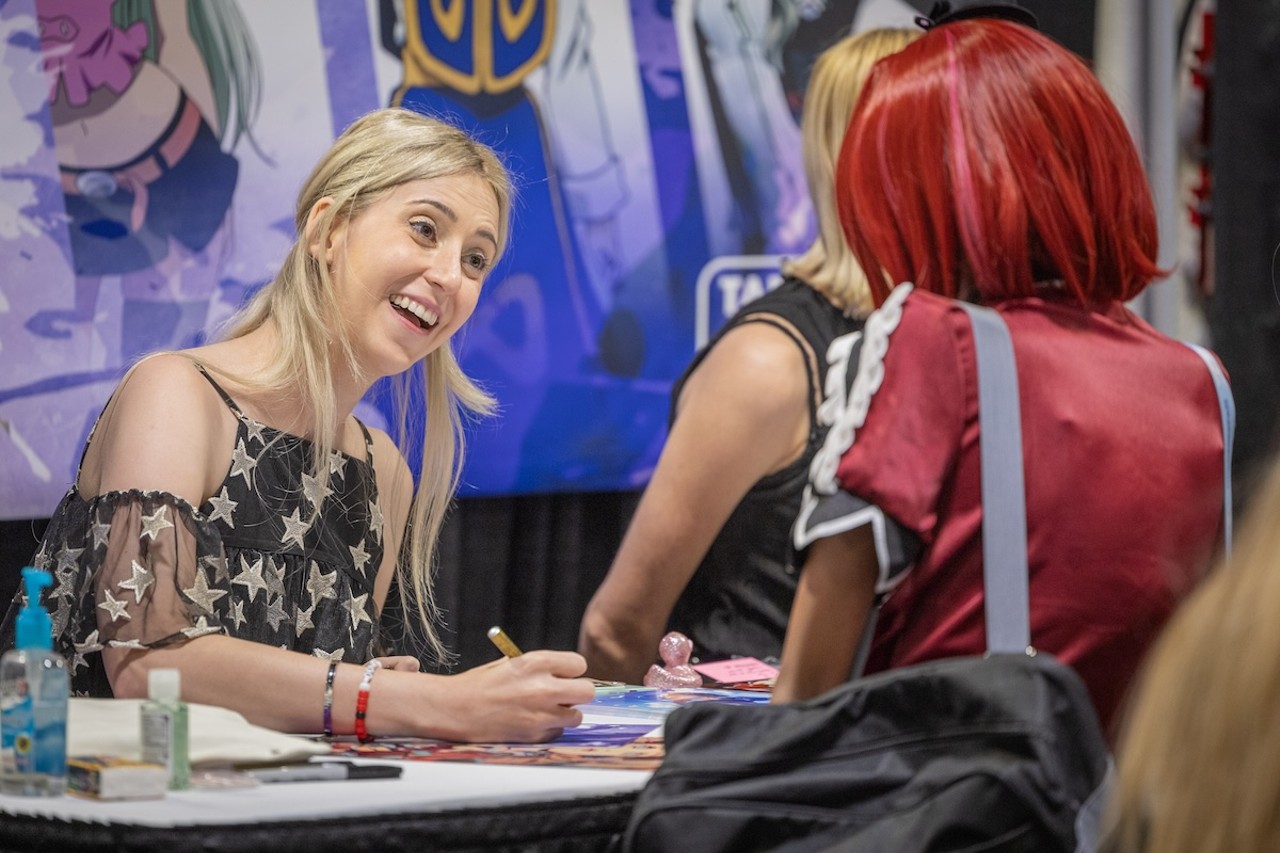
[{"x": 318, "y": 210}]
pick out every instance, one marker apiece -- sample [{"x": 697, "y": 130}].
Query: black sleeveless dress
[
  {"x": 739, "y": 598},
  {"x": 276, "y": 556}
]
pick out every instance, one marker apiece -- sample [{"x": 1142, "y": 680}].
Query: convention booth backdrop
[{"x": 153, "y": 149}]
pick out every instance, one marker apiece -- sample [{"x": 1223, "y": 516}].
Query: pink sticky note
[{"x": 737, "y": 670}]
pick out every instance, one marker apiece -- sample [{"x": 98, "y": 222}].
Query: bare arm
[
  {"x": 743, "y": 414},
  {"x": 833, "y": 599},
  {"x": 529, "y": 698}
]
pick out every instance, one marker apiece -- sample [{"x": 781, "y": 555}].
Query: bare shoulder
[
  {"x": 165, "y": 429},
  {"x": 756, "y": 367},
  {"x": 167, "y": 389}
]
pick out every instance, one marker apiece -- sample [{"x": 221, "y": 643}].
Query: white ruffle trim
[{"x": 846, "y": 414}]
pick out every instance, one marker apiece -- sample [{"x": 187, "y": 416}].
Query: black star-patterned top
[{"x": 277, "y": 556}]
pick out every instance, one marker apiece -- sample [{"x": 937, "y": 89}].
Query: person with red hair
[{"x": 987, "y": 164}]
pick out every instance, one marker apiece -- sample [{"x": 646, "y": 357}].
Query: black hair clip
[{"x": 944, "y": 13}]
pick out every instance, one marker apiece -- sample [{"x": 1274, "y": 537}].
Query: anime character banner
[{"x": 153, "y": 149}]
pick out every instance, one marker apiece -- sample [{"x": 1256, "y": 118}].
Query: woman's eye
[
  {"x": 477, "y": 262},
  {"x": 424, "y": 227}
]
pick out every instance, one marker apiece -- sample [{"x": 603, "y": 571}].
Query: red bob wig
[{"x": 986, "y": 156}]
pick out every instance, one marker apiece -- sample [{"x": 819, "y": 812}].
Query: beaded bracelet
[
  {"x": 362, "y": 700},
  {"x": 328, "y": 699}
]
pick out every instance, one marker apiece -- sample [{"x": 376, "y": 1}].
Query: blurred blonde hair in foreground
[{"x": 1199, "y": 758}]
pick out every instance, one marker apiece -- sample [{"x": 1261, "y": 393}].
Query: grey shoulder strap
[
  {"x": 1227, "y": 410},
  {"x": 1004, "y": 514}
]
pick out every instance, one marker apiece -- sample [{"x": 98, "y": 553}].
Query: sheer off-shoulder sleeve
[
  {"x": 157, "y": 579},
  {"x": 131, "y": 569}
]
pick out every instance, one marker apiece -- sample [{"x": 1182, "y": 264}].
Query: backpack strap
[
  {"x": 1227, "y": 411},
  {"x": 1004, "y": 511}
]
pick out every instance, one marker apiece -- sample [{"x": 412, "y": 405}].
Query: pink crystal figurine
[{"x": 674, "y": 649}]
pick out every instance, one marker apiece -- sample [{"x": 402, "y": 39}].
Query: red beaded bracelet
[{"x": 362, "y": 701}]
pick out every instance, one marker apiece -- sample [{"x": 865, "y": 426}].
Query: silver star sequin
[
  {"x": 321, "y": 585},
  {"x": 250, "y": 577},
  {"x": 67, "y": 559},
  {"x": 62, "y": 616},
  {"x": 338, "y": 465},
  {"x": 242, "y": 463},
  {"x": 294, "y": 528},
  {"x": 216, "y": 563},
  {"x": 101, "y": 532},
  {"x": 201, "y": 628},
  {"x": 360, "y": 556},
  {"x": 302, "y": 620},
  {"x": 275, "y": 613},
  {"x": 254, "y": 429},
  {"x": 66, "y": 587},
  {"x": 237, "y": 613},
  {"x": 141, "y": 579},
  {"x": 223, "y": 507},
  {"x": 274, "y": 575},
  {"x": 153, "y": 524},
  {"x": 375, "y": 519},
  {"x": 336, "y": 654},
  {"x": 89, "y": 646},
  {"x": 201, "y": 595},
  {"x": 117, "y": 609},
  {"x": 315, "y": 489},
  {"x": 355, "y": 607}
]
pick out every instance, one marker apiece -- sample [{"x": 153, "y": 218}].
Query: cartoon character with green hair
[{"x": 147, "y": 100}]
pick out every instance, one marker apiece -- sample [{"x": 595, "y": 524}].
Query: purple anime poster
[
  {"x": 151, "y": 153},
  {"x": 153, "y": 150}
]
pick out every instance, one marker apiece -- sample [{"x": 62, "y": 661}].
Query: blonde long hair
[
  {"x": 834, "y": 86},
  {"x": 1199, "y": 757},
  {"x": 377, "y": 153}
]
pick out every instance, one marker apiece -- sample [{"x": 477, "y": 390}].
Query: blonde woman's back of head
[
  {"x": 834, "y": 86},
  {"x": 1199, "y": 757}
]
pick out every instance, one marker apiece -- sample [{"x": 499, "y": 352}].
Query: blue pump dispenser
[
  {"x": 33, "y": 702},
  {"x": 35, "y": 628}
]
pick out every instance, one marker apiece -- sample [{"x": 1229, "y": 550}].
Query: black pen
[{"x": 321, "y": 771}]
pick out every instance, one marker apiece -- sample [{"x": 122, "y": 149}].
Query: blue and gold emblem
[{"x": 476, "y": 46}]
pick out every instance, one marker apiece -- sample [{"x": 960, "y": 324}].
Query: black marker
[{"x": 323, "y": 771}]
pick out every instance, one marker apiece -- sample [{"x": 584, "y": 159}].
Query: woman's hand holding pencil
[{"x": 508, "y": 648}]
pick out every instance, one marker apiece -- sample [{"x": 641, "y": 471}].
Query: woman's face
[{"x": 407, "y": 270}]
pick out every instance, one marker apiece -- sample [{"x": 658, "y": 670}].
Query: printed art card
[
  {"x": 609, "y": 746},
  {"x": 635, "y": 702}
]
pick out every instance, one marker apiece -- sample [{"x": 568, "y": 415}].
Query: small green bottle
[{"x": 164, "y": 726}]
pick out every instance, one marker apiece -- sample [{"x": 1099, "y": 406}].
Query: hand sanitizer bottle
[
  {"x": 164, "y": 726},
  {"x": 33, "y": 702}
]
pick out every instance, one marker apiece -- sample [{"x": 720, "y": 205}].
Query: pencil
[{"x": 503, "y": 642}]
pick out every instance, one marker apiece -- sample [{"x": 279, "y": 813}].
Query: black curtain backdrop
[{"x": 529, "y": 564}]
